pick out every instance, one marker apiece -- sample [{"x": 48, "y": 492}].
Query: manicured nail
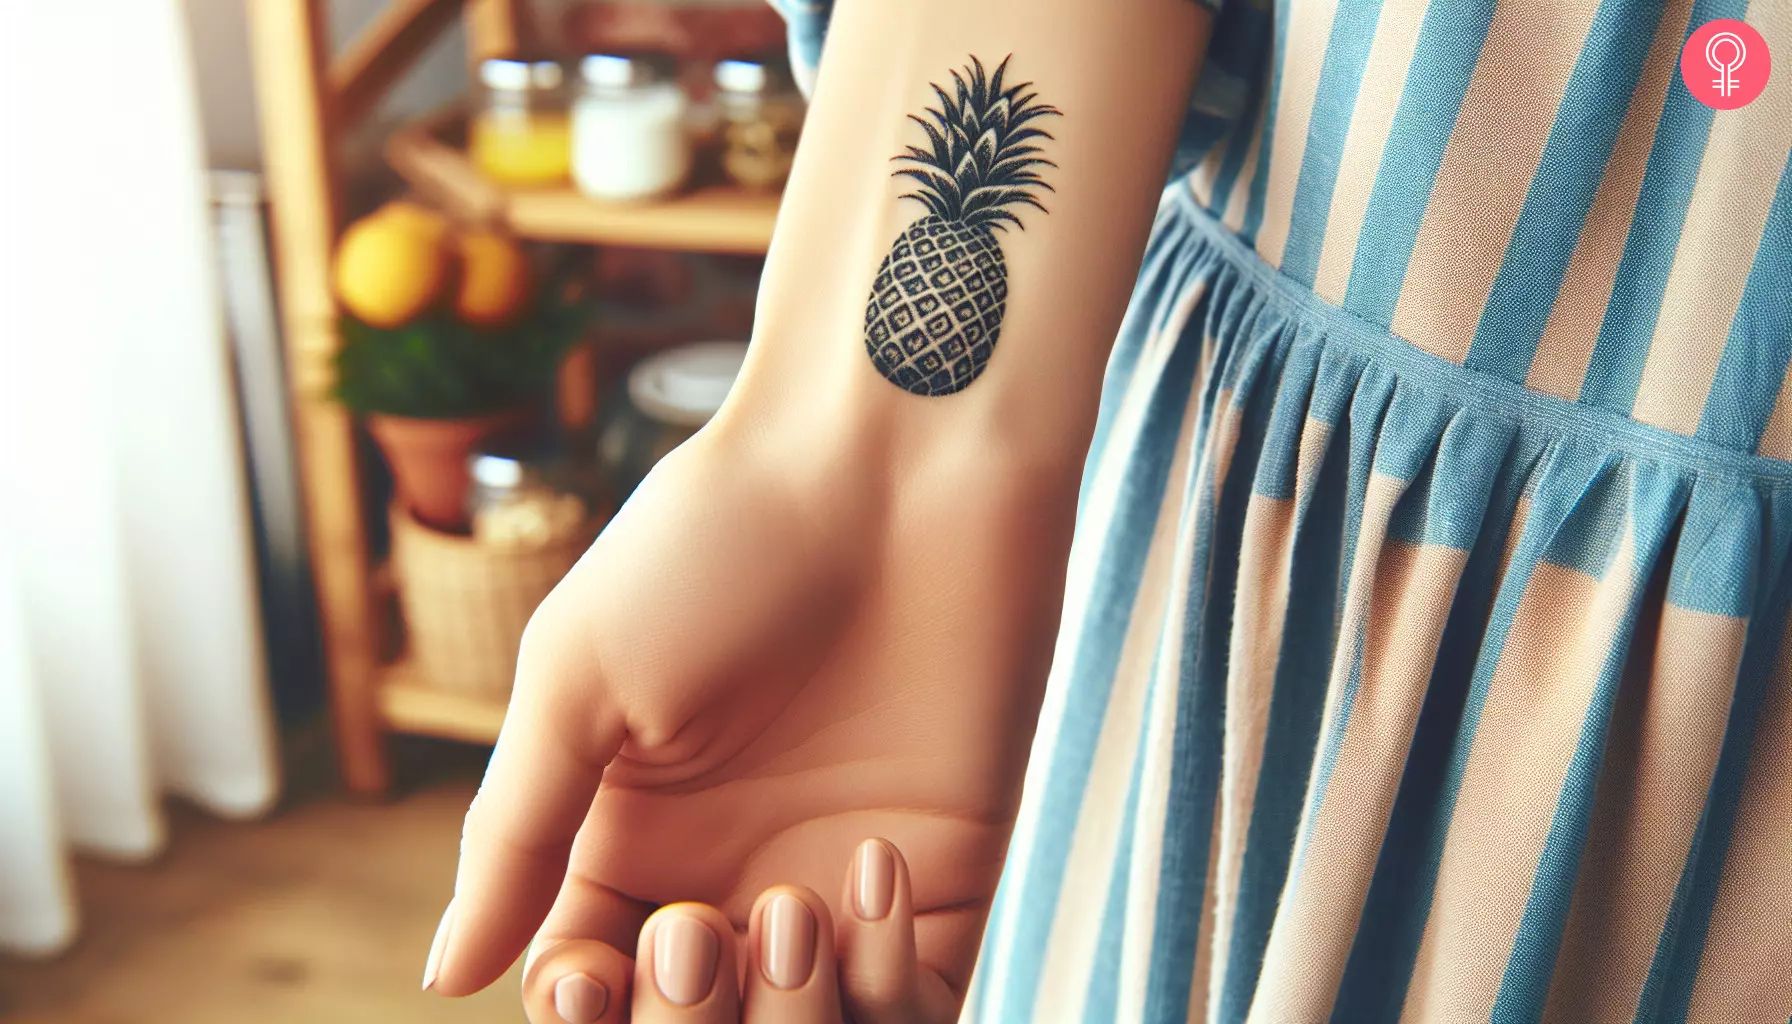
[
  {"x": 580, "y": 999},
  {"x": 787, "y": 945},
  {"x": 436, "y": 946},
  {"x": 684, "y": 959},
  {"x": 877, "y": 881}
]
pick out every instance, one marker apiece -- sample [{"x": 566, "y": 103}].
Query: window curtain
[{"x": 131, "y": 654}]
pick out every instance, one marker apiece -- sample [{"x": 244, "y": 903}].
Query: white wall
[{"x": 220, "y": 43}]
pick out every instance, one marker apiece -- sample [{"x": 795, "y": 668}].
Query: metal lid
[
  {"x": 624, "y": 70},
  {"x": 685, "y": 386},
  {"x": 521, "y": 75},
  {"x": 752, "y": 75},
  {"x": 497, "y": 470}
]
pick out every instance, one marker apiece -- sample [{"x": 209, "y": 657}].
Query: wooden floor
[{"x": 321, "y": 914}]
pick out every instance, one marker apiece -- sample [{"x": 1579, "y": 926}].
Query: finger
[
  {"x": 882, "y": 980},
  {"x": 684, "y": 968},
  {"x": 577, "y": 981},
  {"x": 558, "y": 736},
  {"x": 790, "y": 941}
]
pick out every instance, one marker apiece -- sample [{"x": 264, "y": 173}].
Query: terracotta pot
[{"x": 429, "y": 460}]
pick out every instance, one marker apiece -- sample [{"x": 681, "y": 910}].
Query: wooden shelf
[
  {"x": 716, "y": 218},
  {"x": 406, "y": 705}
]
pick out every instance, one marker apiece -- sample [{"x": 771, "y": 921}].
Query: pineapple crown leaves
[{"x": 983, "y": 157}]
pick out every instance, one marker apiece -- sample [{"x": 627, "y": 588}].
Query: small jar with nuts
[{"x": 761, "y": 118}]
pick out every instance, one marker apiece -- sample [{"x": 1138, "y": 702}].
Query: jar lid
[
  {"x": 752, "y": 75},
  {"x": 685, "y": 386},
  {"x": 507, "y": 75},
  {"x": 491, "y": 469},
  {"x": 624, "y": 70}
]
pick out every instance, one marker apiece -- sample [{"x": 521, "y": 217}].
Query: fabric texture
[{"x": 1426, "y": 653}]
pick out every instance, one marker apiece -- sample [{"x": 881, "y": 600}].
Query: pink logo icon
[{"x": 1725, "y": 64}]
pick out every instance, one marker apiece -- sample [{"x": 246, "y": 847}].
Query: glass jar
[
  {"x": 629, "y": 134},
  {"x": 669, "y": 397},
  {"x": 761, "y": 115},
  {"x": 520, "y": 135},
  {"x": 529, "y": 497}
]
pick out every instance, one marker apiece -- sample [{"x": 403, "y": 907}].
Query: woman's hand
[
  {"x": 794, "y": 965},
  {"x": 782, "y": 644}
]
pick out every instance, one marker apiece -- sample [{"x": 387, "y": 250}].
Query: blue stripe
[
  {"x": 1616, "y": 368},
  {"x": 1239, "y": 47},
  {"x": 1163, "y": 282},
  {"x": 1346, "y": 54},
  {"x": 1561, "y": 193},
  {"x": 1455, "y": 485},
  {"x": 1667, "y": 992},
  {"x": 1717, "y": 564},
  {"x": 1386, "y": 946},
  {"x": 1759, "y": 348},
  {"x": 1253, "y": 213},
  {"x": 1443, "y": 63},
  {"x": 1103, "y": 999},
  {"x": 1200, "y": 714},
  {"x": 1297, "y": 700},
  {"x": 1524, "y": 989},
  {"x": 1091, "y": 675}
]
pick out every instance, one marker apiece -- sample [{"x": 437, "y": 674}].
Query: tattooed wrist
[{"x": 937, "y": 303}]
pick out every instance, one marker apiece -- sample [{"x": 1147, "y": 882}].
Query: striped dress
[{"x": 1426, "y": 653}]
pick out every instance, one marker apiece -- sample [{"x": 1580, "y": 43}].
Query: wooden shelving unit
[
  {"x": 308, "y": 102},
  {"x": 710, "y": 219}
]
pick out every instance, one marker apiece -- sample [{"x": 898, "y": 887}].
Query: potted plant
[{"x": 446, "y": 343}]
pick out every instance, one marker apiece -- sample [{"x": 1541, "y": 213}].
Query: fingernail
[
  {"x": 684, "y": 959},
  {"x": 580, "y": 999},
  {"x": 436, "y": 946},
  {"x": 877, "y": 881},
  {"x": 787, "y": 946}
]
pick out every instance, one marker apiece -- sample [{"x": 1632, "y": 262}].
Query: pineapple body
[{"x": 936, "y": 306}]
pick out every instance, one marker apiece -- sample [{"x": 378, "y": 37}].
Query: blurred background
[{"x": 335, "y": 330}]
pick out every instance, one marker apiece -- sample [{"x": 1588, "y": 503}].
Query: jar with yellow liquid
[{"x": 521, "y": 135}]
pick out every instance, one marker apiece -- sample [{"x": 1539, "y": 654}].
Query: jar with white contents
[{"x": 629, "y": 126}]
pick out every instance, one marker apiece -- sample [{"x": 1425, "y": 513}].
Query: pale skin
[{"x": 830, "y": 615}]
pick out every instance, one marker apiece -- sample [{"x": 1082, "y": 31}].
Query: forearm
[{"x": 1118, "y": 73}]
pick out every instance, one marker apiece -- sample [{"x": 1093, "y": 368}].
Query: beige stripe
[
  {"x": 1390, "y": 55},
  {"x": 1309, "y": 33},
  {"x": 1529, "y": 726},
  {"x": 1258, "y": 613},
  {"x": 1147, "y": 827},
  {"x": 1266, "y": 554},
  {"x": 1316, "y": 924},
  {"x": 1076, "y": 926},
  {"x": 1241, "y": 185},
  {"x": 1776, "y": 440},
  {"x": 1201, "y": 182},
  {"x": 1200, "y": 980},
  {"x": 1566, "y": 347},
  {"x": 1661, "y": 748},
  {"x": 1747, "y": 970},
  {"x": 1487, "y": 169},
  {"x": 1724, "y": 220}
]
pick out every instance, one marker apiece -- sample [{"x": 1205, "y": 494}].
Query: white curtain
[{"x": 131, "y": 661}]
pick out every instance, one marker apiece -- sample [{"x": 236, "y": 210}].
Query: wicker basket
[{"x": 465, "y": 604}]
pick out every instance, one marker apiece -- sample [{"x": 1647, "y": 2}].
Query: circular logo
[{"x": 1725, "y": 64}]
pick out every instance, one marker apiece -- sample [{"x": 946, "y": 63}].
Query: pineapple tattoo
[{"x": 936, "y": 305}]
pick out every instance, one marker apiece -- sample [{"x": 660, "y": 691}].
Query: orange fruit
[{"x": 495, "y": 284}]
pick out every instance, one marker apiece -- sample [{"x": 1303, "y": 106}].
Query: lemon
[
  {"x": 417, "y": 216},
  {"x": 391, "y": 265},
  {"x": 494, "y": 279}
]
